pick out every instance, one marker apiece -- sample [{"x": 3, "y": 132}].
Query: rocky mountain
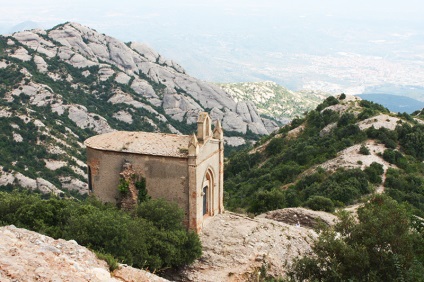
[
  {"x": 63, "y": 85},
  {"x": 273, "y": 100}
]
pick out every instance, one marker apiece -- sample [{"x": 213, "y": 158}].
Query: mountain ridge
[{"x": 63, "y": 85}]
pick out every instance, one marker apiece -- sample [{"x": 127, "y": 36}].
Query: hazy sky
[
  {"x": 101, "y": 13},
  {"x": 247, "y": 40}
]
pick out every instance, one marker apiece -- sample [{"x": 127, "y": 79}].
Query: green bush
[
  {"x": 374, "y": 172},
  {"x": 163, "y": 214},
  {"x": 364, "y": 150},
  {"x": 320, "y": 203},
  {"x": 268, "y": 200},
  {"x": 150, "y": 242},
  {"x": 331, "y": 100},
  {"x": 382, "y": 246},
  {"x": 110, "y": 260}
]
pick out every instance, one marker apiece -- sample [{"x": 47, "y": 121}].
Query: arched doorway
[{"x": 207, "y": 192}]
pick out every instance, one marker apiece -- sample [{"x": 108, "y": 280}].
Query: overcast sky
[
  {"x": 240, "y": 40},
  {"x": 106, "y": 14}
]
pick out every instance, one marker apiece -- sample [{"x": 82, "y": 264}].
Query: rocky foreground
[
  {"x": 29, "y": 256},
  {"x": 235, "y": 248}
]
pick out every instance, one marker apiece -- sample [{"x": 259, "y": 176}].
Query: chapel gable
[{"x": 204, "y": 130}]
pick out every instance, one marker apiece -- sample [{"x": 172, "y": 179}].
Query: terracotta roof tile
[{"x": 158, "y": 144}]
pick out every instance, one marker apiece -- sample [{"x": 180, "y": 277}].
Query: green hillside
[
  {"x": 274, "y": 100},
  {"x": 305, "y": 162}
]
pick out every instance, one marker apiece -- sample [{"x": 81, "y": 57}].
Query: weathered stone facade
[{"x": 184, "y": 169}]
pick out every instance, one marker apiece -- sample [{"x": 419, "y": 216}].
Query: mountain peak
[{"x": 79, "y": 83}]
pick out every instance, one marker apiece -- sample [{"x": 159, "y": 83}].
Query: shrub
[
  {"x": 110, "y": 260},
  {"x": 163, "y": 214},
  {"x": 275, "y": 146},
  {"x": 151, "y": 241},
  {"x": 374, "y": 172},
  {"x": 268, "y": 200},
  {"x": 331, "y": 100},
  {"x": 364, "y": 150},
  {"x": 382, "y": 246},
  {"x": 320, "y": 203}
]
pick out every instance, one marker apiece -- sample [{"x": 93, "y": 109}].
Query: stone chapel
[{"x": 186, "y": 169}]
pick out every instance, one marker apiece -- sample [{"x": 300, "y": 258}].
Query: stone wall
[{"x": 166, "y": 177}]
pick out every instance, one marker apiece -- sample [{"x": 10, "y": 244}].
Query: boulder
[
  {"x": 301, "y": 217},
  {"x": 29, "y": 256}
]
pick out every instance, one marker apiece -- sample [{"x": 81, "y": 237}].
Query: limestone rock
[
  {"x": 159, "y": 84},
  {"x": 382, "y": 120},
  {"x": 29, "y": 256},
  {"x": 143, "y": 88},
  {"x": 21, "y": 54},
  {"x": 123, "y": 116},
  {"x": 84, "y": 119},
  {"x": 122, "y": 78},
  {"x": 124, "y": 98},
  {"x": 17, "y": 137},
  {"x": 233, "y": 122},
  {"x": 130, "y": 274},
  {"x": 235, "y": 247},
  {"x": 70, "y": 184},
  {"x": 234, "y": 141},
  {"x": 40, "y": 184},
  {"x": 270, "y": 125},
  {"x": 145, "y": 51},
  {"x": 41, "y": 64},
  {"x": 105, "y": 72},
  {"x": 3, "y": 65},
  {"x": 37, "y": 43},
  {"x": 301, "y": 217}
]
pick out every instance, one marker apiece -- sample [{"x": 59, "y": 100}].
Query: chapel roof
[{"x": 146, "y": 143}]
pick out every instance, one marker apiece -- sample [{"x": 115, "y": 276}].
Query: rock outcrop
[
  {"x": 29, "y": 256},
  {"x": 163, "y": 83},
  {"x": 236, "y": 247},
  {"x": 301, "y": 217}
]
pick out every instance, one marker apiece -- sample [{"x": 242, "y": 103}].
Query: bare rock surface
[
  {"x": 235, "y": 247},
  {"x": 21, "y": 54},
  {"x": 29, "y": 256},
  {"x": 380, "y": 121},
  {"x": 234, "y": 141},
  {"x": 301, "y": 217},
  {"x": 352, "y": 158}
]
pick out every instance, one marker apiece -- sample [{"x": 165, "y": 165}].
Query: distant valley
[{"x": 395, "y": 103}]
